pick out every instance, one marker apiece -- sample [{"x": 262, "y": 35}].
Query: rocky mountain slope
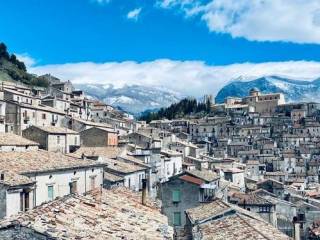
[
  {"x": 294, "y": 90},
  {"x": 133, "y": 99}
]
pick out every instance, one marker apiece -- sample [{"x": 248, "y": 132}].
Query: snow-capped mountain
[
  {"x": 294, "y": 90},
  {"x": 133, "y": 99}
]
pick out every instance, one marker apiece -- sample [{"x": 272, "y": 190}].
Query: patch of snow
[{"x": 280, "y": 84}]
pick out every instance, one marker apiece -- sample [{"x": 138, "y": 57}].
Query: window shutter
[
  {"x": 176, "y": 218},
  {"x": 176, "y": 196},
  {"x": 50, "y": 192}
]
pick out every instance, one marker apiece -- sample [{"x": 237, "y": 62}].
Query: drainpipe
[
  {"x": 35, "y": 192},
  {"x": 85, "y": 181}
]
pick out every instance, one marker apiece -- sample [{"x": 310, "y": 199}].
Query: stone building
[
  {"x": 79, "y": 125},
  {"x": 99, "y": 137},
  {"x": 20, "y": 116},
  {"x": 263, "y": 103},
  {"x": 187, "y": 190},
  {"x": 132, "y": 174},
  {"x": 54, "y": 175},
  {"x": 252, "y": 202},
  {"x": 60, "y": 104},
  {"x": 172, "y": 163},
  {"x": 220, "y": 220},
  {"x": 53, "y": 139}
]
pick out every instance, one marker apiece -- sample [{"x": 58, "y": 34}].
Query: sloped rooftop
[
  {"x": 122, "y": 167},
  {"x": 41, "y": 161},
  {"x": 115, "y": 214},
  {"x": 13, "y": 179},
  {"x": 112, "y": 177},
  {"x": 207, "y": 210},
  {"x": 108, "y": 152},
  {"x": 205, "y": 175},
  {"x": 10, "y": 139},
  {"x": 219, "y": 220},
  {"x": 240, "y": 227},
  {"x": 56, "y": 130}
]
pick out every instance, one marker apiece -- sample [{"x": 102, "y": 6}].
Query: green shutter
[
  {"x": 177, "y": 219},
  {"x": 176, "y": 196},
  {"x": 50, "y": 192}
]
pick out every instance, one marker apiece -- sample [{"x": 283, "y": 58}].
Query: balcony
[{"x": 206, "y": 199}]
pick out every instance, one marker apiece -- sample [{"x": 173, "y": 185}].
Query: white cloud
[
  {"x": 189, "y": 77},
  {"x": 134, "y": 14},
  {"x": 102, "y": 2},
  {"x": 261, "y": 20},
  {"x": 26, "y": 58}
]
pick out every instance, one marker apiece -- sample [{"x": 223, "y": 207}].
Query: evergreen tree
[{"x": 187, "y": 106}]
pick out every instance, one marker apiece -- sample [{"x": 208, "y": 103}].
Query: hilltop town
[
  {"x": 76, "y": 168},
  {"x": 72, "y": 167}
]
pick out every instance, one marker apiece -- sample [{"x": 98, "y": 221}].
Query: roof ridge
[{"x": 251, "y": 226}]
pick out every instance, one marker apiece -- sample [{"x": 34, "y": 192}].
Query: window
[
  {"x": 177, "y": 219},
  {"x": 50, "y": 193},
  {"x": 58, "y": 139},
  {"x": 176, "y": 196},
  {"x": 73, "y": 187},
  {"x": 264, "y": 209},
  {"x": 44, "y": 116}
]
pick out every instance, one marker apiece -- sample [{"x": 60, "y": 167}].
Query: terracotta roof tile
[
  {"x": 115, "y": 214},
  {"x": 9, "y": 139},
  {"x": 191, "y": 179}
]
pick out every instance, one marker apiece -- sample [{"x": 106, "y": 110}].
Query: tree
[
  {"x": 3, "y": 51},
  {"x": 187, "y": 106}
]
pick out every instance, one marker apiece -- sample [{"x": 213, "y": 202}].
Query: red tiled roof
[{"x": 192, "y": 179}]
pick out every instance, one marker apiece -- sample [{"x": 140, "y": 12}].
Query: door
[
  {"x": 92, "y": 183},
  {"x": 73, "y": 187},
  {"x": 26, "y": 201}
]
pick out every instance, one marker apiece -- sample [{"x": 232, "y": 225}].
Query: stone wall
[{"x": 189, "y": 199}]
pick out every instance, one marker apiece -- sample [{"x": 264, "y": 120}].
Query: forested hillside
[
  {"x": 11, "y": 69},
  {"x": 187, "y": 106}
]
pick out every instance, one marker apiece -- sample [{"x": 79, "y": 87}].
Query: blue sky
[{"x": 136, "y": 36}]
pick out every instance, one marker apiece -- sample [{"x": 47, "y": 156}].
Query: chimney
[
  {"x": 144, "y": 191},
  {"x": 296, "y": 226}
]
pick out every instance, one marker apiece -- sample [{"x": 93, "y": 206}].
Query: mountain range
[
  {"x": 293, "y": 90},
  {"x": 134, "y": 98}
]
